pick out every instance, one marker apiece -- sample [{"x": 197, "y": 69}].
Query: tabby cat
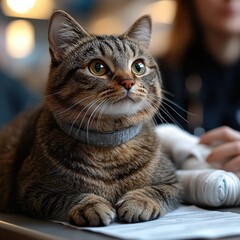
[{"x": 90, "y": 153}]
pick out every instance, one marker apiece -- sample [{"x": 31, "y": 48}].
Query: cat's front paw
[
  {"x": 135, "y": 207},
  {"x": 93, "y": 210}
]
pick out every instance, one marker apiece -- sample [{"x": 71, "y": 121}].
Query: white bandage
[{"x": 203, "y": 185}]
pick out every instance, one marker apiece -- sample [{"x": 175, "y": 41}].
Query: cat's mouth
[{"x": 128, "y": 96}]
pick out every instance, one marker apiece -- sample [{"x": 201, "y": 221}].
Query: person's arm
[{"x": 226, "y": 147}]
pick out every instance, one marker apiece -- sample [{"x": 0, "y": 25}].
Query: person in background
[
  {"x": 14, "y": 98},
  {"x": 201, "y": 76}
]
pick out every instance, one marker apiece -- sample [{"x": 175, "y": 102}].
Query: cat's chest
[
  {"x": 109, "y": 173},
  {"x": 110, "y": 165}
]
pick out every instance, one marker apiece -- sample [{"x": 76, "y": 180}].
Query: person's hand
[{"x": 226, "y": 147}]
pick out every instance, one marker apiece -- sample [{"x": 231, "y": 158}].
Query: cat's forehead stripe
[
  {"x": 90, "y": 50},
  {"x": 101, "y": 48},
  {"x": 109, "y": 46},
  {"x": 133, "y": 50},
  {"x": 112, "y": 43},
  {"x": 117, "y": 44}
]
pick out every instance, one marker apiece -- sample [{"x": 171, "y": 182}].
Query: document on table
[{"x": 187, "y": 222}]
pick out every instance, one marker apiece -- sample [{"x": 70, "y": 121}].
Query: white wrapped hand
[
  {"x": 203, "y": 185},
  {"x": 210, "y": 188}
]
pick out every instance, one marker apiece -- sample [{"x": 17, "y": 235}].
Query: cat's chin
[
  {"x": 125, "y": 106},
  {"x": 125, "y": 99}
]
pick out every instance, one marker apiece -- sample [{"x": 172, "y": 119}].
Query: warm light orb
[
  {"x": 21, "y": 6},
  {"x": 106, "y": 25},
  {"x": 36, "y": 9},
  {"x": 162, "y": 11},
  {"x": 19, "y": 38}
]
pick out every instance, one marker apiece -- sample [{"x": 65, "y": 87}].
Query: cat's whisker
[
  {"x": 151, "y": 100},
  {"x": 154, "y": 122},
  {"x": 159, "y": 116},
  {"x": 176, "y": 105},
  {"x": 158, "y": 113},
  {"x": 167, "y": 92},
  {"x": 167, "y": 113},
  {"x": 174, "y": 111},
  {"x": 101, "y": 113},
  {"x": 156, "y": 106},
  {"x": 89, "y": 119},
  {"x": 78, "y": 102},
  {"x": 52, "y": 94},
  {"x": 164, "y": 110},
  {"x": 55, "y": 93},
  {"x": 154, "y": 98},
  {"x": 162, "y": 119},
  {"x": 75, "y": 120},
  {"x": 149, "y": 106},
  {"x": 92, "y": 115},
  {"x": 89, "y": 106},
  {"x": 102, "y": 107}
]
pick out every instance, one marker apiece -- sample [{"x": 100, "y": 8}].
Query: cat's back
[{"x": 16, "y": 140}]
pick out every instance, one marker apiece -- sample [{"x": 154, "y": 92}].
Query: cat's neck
[{"x": 98, "y": 138}]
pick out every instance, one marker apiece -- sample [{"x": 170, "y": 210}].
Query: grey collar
[{"x": 99, "y": 139}]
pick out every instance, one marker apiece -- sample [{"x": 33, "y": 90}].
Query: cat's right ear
[
  {"x": 141, "y": 31},
  {"x": 63, "y": 32}
]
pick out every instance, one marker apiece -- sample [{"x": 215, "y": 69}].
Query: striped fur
[{"x": 47, "y": 174}]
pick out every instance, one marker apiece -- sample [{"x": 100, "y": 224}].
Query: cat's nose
[{"x": 127, "y": 84}]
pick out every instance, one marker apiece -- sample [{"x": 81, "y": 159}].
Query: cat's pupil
[
  {"x": 139, "y": 67},
  {"x": 98, "y": 67}
]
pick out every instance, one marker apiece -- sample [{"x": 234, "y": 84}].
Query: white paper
[{"x": 187, "y": 222}]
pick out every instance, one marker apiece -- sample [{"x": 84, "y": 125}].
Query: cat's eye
[
  {"x": 138, "y": 67},
  {"x": 98, "y": 67}
]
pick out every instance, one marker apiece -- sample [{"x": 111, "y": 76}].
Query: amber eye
[
  {"x": 138, "y": 67},
  {"x": 98, "y": 67}
]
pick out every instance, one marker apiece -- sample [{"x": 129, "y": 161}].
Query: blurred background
[{"x": 24, "y": 23}]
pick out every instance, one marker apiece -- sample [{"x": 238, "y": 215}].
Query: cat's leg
[
  {"x": 79, "y": 209},
  {"x": 148, "y": 203}
]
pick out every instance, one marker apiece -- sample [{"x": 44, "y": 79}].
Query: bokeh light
[
  {"x": 162, "y": 11},
  {"x": 35, "y": 9},
  {"x": 20, "y": 38},
  {"x": 20, "y": 6}
]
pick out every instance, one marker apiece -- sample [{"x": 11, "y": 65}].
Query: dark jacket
[
  {"x": 208, "y": 92},
  {"x": 14, "y": 98}
]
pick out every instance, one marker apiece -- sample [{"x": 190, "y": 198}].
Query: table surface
[{"x": 20, "y": 227}]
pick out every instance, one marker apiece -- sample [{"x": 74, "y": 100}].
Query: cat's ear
[
  {"x": 141, "y": 31},
  {"x": 63, "y": 32}
]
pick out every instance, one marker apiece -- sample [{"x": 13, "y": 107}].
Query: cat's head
[{"x": 101, "y": 78}]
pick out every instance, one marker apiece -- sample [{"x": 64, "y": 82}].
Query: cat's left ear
[
  {"x": 141, "y": 31},
  {"x": 63, "y": 33}
]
